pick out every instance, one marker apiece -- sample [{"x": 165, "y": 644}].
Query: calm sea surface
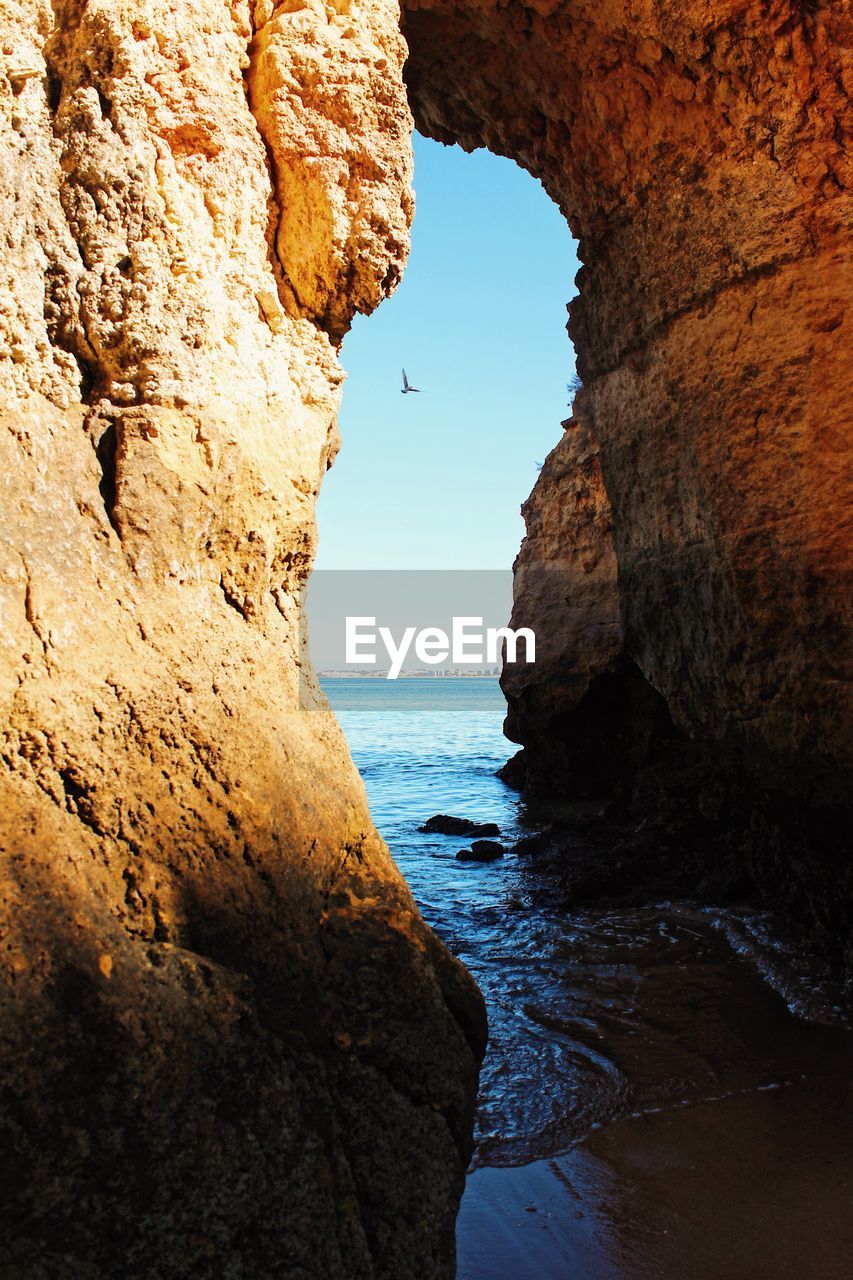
[{"x": 593, "y": 1014}]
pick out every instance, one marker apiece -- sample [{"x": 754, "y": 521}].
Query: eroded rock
[
  {"x": 230, "y": 1046},
  {"x": 206, "y": 1067},
  {"x": 701, "y": 157}
]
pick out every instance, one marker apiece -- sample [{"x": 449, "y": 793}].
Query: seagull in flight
[{"x": 407, "y": 386}]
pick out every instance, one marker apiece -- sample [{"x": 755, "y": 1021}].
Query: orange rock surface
[
  {"x": 230, "y": 1045},
  {"x": 701, "y": 155}
]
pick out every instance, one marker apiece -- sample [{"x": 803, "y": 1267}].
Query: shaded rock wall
[
  {"x": 565, "y": 588},
  {"x": 588, "y": 718},
  {"x": 701, "y": 156},
  {"x": 230, "y": 1046}
]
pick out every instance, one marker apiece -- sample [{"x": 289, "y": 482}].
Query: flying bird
[{"x": 407, "y": 387}]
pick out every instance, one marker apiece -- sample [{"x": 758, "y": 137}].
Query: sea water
[{"x": 596, "y": 1014}]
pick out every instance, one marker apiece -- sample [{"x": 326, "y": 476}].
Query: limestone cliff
[
  {"x": 229, "y": 1044},
  {"x": 701, "y": 154}
]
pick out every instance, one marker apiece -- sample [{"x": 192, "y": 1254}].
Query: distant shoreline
[{"x": 406, "y": 675}]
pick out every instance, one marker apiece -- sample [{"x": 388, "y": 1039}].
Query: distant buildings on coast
[{"x": 422, "y": 673}]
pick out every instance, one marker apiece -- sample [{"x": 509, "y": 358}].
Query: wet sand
[{"x": 755, "y": 1186}]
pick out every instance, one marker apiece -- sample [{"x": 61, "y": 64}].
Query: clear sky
[{"x": 435, "y": 481}]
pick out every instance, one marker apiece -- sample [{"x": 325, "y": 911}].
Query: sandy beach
[{"x": 756, "y": 1186}]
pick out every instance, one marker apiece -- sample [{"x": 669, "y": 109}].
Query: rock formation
[
  {"x": 701, "y": 156},
  {"x": 230, "y": 1046},
  {"x": 565, "y": 588}
]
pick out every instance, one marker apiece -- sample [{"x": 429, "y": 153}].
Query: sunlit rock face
[
  {"x": 230, "y": 1046},
  {"x": 701, "y": 156}
]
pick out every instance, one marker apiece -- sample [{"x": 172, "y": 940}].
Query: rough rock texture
[
  {"x": 701, "y": 153},
  {"x": 588, "y": 718},
  {"x": 230, "y": 1047},
  {"x": 565, "y": 589}
]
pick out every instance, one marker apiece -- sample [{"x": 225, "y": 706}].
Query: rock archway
[
  {"x": 699, "y": 156},
  {"x": 687, "y": 556}
]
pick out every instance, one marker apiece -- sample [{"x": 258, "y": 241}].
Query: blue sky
[{"x": 435, "y": 481}]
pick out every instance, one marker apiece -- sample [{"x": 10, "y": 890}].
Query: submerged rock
[
  {"x": 444, "y": 824},
  {"x": 481, "y": 851}
]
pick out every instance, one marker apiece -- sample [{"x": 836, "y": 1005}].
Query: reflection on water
[{"x": 593, "y": 1014}]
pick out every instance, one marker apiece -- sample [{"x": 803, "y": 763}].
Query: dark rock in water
[
  {"x": 489, "y": 848},
  {"x": 444, "y": 824},
  {"x": 539, "y": 841},
  {"x": 514, "y": 772},
  {"x": 481, "y": 851}
]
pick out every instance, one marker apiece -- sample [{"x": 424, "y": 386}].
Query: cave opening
[
  {"x": 424, "y": 501},
  {"x": 436, "y": 480}
]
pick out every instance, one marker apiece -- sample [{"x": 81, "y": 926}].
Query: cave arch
[{"x": 698, "y": 157}]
